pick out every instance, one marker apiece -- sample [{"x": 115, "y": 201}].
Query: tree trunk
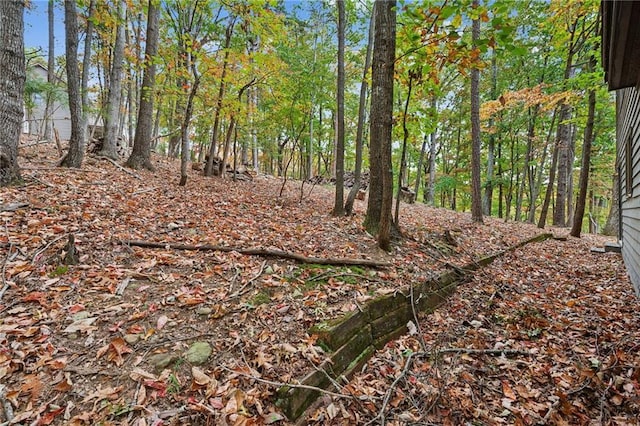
[
  {"x": 476, "y": 196},
  {"x": 86, "y": 63},
  {"x": 432, "y": 164},
  {"x": 77, "y": 141},
  {"x": 48, "y": 122},
  {"x": 488, "y": 190},
  {"x": 586, "y": 161},
  {"x": 536, "y": 184},
  {"x": 184, "y": 130},
  {"x": 115, "y": 87},
  {"x": 378, "y": 217},
  {"x": 208, "y": 171},
  {"x": 338, "y": 205},
  {"x": 563, "y": 136},
  {"x": 526, "y": 175},
  {"x": 12, "y": 70},
  {"x": 613, "y": 220},
  {"x": 547, "y": 196},
  {"x": 403, "y": 154},
  {"x": 361, "y": 116},
  {"x": 420, "y": 166},
  {"x": 141, "y": 155}
]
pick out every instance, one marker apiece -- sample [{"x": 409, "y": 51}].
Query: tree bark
[
  {"x": 613, "y": 219},
  {"x": 420, "y": 166},
  {"x": 86, "y": 62},
  {"x": 491, "y": 155},
  {"x": 208, "y": 170},
  {"x": 547, "y": 196},
  {"x": 12, "y": 70},
  {"x": 586, "y": 162},
  {"x": 260, "y": 252},
  {"x": 75, "y": 155},
  {"x": 476, "y": 195},
  {"x": 364, "y": 85},
  {"x": 184, "y": 129},
  {"x": 141, "y": 155},
  {"x": 338, "y": 205},
  {"x": 48, "y": 122},
  {"x": 403, "y": 154},
  {"x": 378, "y": 218},
  {"x": 115, "y": 88}
]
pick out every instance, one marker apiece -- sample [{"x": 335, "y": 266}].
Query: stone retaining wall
[{"x": 353, "y": 338}]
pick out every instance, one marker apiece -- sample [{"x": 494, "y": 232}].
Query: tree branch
[{"x": 260, "y": 252}]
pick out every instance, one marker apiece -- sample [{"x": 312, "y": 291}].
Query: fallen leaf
[
  {"x": 199, "y": 376},
  {"x": 162, "y": 320},
  {"x": 83, "y": 325}
]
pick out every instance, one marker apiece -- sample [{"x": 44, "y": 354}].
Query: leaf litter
[{"x": 105, "y": 340}]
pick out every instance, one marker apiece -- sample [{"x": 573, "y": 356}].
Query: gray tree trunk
[
  {"x": 613, "y": 220},
  {"x": 86, "y": 61},
  {"x": 362, "y": 106},
  {"x": 48, "y": 122},
  {"x": 338, "y": 205},
  {"x": 112, "y": 115},
  {"x": 75, "y": 155},
  {"x": 586, "y": 160},
  {"x": 12, "y": 70}
]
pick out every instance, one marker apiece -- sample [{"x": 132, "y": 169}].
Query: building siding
[
  {"x": 628, "y": 144},
  {"x": 61, "y": 116}
]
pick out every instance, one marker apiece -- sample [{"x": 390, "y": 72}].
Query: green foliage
[{"x": 59, "y": 271}]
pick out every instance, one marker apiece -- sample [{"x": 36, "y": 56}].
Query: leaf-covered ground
[{"x": 548, "y": 334}]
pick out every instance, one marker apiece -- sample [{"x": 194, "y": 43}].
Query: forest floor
[{"x": 547, "y": 334}]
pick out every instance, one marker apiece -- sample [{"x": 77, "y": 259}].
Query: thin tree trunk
[
  {"x": 208, "y": 171},
  {"x": 75, "y": 155},
  {"x": 115, "y": 88},
  {"x": 86, "y": 62},
  {"x": 612, "y": 226},
  {"x": 488, "y": 190},
  {"x": 547, "y": 196},
  {"x": 432, "y": 164},
  {"x": 184, "y": 130},
  {"x": 361, "y": 116},
  {"x": 420, "y": 165},
  {"x": 586, "y": 161},
  {"x": 338, "y": 205},
  {"x": 48, "y": 121},
  {"x": 403, "y": 155},
  {"x": 476, "y": 196}
]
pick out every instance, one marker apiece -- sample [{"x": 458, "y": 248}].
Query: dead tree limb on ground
[{"x": 260, "y": 252}]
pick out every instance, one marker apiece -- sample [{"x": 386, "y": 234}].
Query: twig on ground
[
  {"x": 387, "y": 396},
  {"x": 135, "y": 175},
  {"x": 481, "y": 351},
  {"x": 240, "y": 291},
  {"x": 12, "y": 207},
  {"x": 291, "y": 385},
  {"x": 5, "y": 284},
  {"x": 423, "y": 344},
  {"x": 42, "y": 250},
  {"x": 142, "y": 191}
]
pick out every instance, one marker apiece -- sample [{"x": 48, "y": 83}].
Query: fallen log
[{"x": 260, "y": 252}]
